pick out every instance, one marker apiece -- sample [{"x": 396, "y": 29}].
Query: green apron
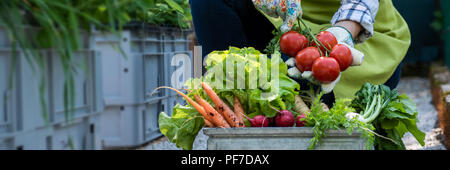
[{"x": 383, "y": 52}]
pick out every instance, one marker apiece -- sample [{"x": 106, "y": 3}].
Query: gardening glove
[
  {"x": 288, "y": 10},
  {"x": 343, "y": 36},
  {"x": 295, "y": 74}
]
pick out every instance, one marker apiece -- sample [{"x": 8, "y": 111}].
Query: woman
[{"x": 375, "y": 28}]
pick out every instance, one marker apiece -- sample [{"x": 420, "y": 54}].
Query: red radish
[
  {"x": 343, "y": 55},
  {"x": 292, "y": 42},
  {"x": 258, "y": 121},
  {"x": 284, "y": 118},
  {"x": 299, "y": 122},
  {"x": 325, "y": 69},
  {"x": 327, "y": 39},
  {"x": 306, "y": 57}
]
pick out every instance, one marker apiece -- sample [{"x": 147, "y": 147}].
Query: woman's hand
[
  {"x": 288, "y": 10},
  {"x": 353, "y": 27}
]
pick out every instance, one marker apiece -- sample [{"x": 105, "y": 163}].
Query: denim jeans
[{"x": 219, "y": 24}]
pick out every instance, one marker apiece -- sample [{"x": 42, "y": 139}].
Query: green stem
[
  {"x": 370, "y": 111},
  {"x": 376, "y": 112},
  {"x": 318, "y": 43}
]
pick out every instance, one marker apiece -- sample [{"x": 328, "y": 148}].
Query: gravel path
[
  {"x": 416, "y": 88},
  {"x": 164, "y": 144}
]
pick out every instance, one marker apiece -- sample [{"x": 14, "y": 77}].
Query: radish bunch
[
  {"x": 283, "y": 118},
  {"x": 320, "y": 54}
]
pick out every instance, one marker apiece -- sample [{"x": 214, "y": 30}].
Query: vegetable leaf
[
  {"x": 397, "y": 116},
  {"x": 182, "y": 127}
]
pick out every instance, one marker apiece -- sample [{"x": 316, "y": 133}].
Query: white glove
[
  {"x": 294, "y": 73},
  {"x": 343, "y": 37}
]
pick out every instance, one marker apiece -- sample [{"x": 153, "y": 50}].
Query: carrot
[
  {"x": 300, "y": 105},
  {"x": 221, "y": 106},
  {"x": 208, "y": 123},
  {"x": 197, "y": 106},
  {"x": 212, "y": 114},
  {"x": 239, "y": 111}
]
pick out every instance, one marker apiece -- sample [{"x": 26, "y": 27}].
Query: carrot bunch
[{"x": 221, "y": 116}]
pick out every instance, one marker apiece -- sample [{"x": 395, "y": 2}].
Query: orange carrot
[
  {"x": 221, "y": 106},
  {"x": 239, "y": 111},
  {"x": 208, "y": 123},
  {"x": 212, "y": 114},
  {"x": 198, "y": 107}
]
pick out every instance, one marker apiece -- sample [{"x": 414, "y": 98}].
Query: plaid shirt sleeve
[{"x": 361, "y": 11}]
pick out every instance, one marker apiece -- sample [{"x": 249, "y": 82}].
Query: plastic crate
[
  {"x": 118, "y": 126},
  {"x": 77, "y": 135},
  {"x": 29, "y": 111},
  {"x": 144, "y": 65},
  {"x": 131, "y": 114},
  {"x": 4, "y": 40},
  {"x": 150, "y": 118},
  {"x": 85, "y": 90},
  {"x": 5, "y": 93},
  {"x": 21, "y": 114}
]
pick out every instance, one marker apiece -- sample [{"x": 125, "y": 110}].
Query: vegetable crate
[
  {"x": 23, "y": 117},
  {"x": 279, "y": 138},
  {"x": 134, "y": 63}
]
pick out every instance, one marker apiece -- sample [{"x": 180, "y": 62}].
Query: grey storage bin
[
  {"x": 279, "y": 138},
  {"x": 129, "y": 78},
  {"x": 77, "y": 135},
  {"x": 22, "y": 122},
  {"x": 5, "y": 93},
  {"x": 5, "y": 42},
  {"x": 119, "y": 126},
  {"x": 86, "y": 96},
  {"x": 150, "y": 118}
]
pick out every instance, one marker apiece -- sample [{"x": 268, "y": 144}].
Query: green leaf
[
  {"x": 412, "y": 127},
  {"x": 182, "y": 127},
  {"x": 175, "y": 6},
  {"x": 389, "y": 123}
]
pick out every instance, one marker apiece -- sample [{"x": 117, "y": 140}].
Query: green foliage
[
  {"x": 397, "y": 115},
  {"x": 157, "y": 12},
  {"x": 437, "y": 24},
  {"x": 256, "y": 100},
  {"x": 182, "y": 127},
  {"x": 334, "y": 119},
  {"x": 274, "y": 44}
]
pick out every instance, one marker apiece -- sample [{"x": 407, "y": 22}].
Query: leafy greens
[
  {"x": 251, "y": 80},
  {"x": 323, "y": 121},
  {"x": 392, "y": 115}
]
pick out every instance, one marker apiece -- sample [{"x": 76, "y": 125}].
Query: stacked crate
[
  {"x": 23, "y": 124},
  {"x": 134, "y": 63}
]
